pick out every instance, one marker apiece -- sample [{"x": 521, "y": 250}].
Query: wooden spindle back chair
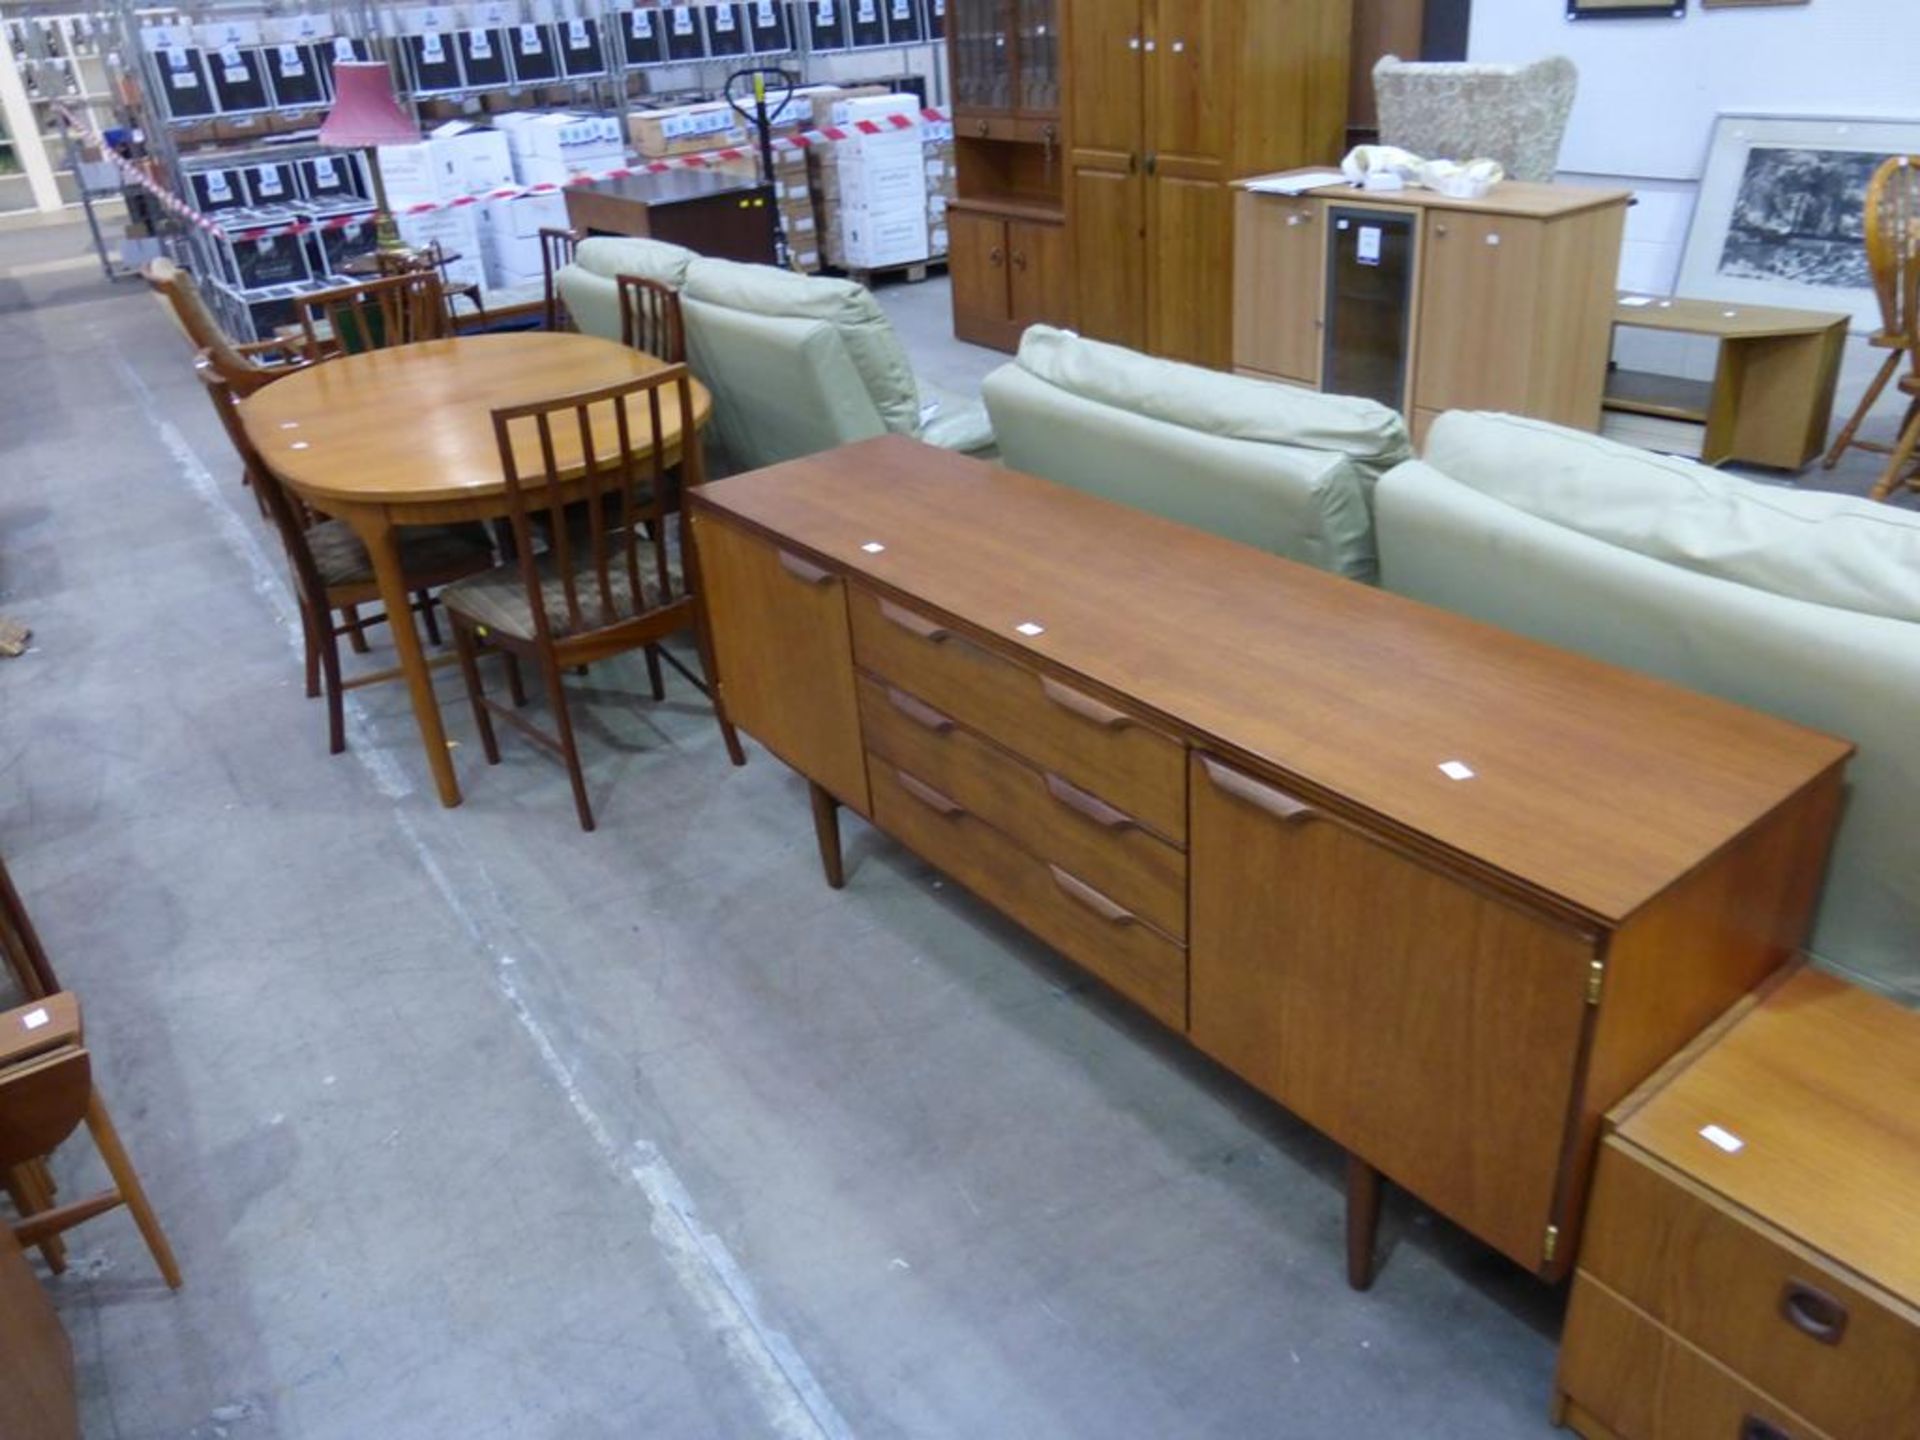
[
  {"x": 650, "y": 318},
  {"x": 47, "y": 1093},
  {"x": 375, "y": 314},
  {"x": 607, "y": 580},
  {"x": 1892, "y": 226},
  {"x": 557, "y": 249},
  {"x": 246, "y": 367}
]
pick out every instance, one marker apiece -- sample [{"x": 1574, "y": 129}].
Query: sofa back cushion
[
  {"x": 1307, "y": 505},
  {"x": 1373, "y": 437},
  {"x": 1832, "y": 669},
  {"x": 611, "y": 256},
  {"x": 874, "y": 350},
  {"x": 1829, "y": 549},
  {"x": 783, "y": 386}
]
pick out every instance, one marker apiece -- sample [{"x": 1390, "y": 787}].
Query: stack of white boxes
[
  {"x": 547, "y": 149},
  {"x": 456, "y": 159},
  {"x": 882, "y": 210}
]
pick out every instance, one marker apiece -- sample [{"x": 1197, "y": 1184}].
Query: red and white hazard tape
[{"x": 705, "y": 160}]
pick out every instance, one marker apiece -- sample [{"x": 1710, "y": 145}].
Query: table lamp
[{"x": 365, "y": 115}]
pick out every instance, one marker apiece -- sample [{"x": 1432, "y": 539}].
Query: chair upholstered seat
[
  {"x": 497, "y": 599},
  {"x": 425, "y": 550}
]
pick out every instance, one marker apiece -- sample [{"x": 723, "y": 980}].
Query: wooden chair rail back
[
  {"x": 650, "y": 318},
  {"x": 20, "y": 943},
  {"x": 376, "y": 314},
  {"x": 557, "y": 249},
  {"x": 609, "y": 520}
]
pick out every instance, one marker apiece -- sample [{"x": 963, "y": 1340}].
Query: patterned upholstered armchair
[{"x": 1516, "y": 114}]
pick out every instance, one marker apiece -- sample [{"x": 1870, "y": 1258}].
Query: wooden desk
[
  {"x": 37, "y": 1399},
  {"x": 1753, "y": 1253},
  {"x": 1502, "y": 303},
  {"x": 1771, "y": 398},
  {"x": 726, "y": 216},
  {"x": 405, "y": 437},
  {"x": 1216, "y": 780}
]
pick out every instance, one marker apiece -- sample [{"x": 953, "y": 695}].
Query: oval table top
[{"x": 413, "y": 425}]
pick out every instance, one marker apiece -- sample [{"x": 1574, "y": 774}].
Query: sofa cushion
[
  {"x": 611, "y": 256},
  {"x": 1830, "y": 549},
  {"x": 1234, "y": 406},
  {"x": 863, "y": 326}
]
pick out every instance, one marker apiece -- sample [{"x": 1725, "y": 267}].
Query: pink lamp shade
[{"x": 364, "y": 111}]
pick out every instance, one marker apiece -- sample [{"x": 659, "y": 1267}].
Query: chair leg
[
  {"x": 356, "y": 636},
  {"x": 427, "y": 617},
  {"x": 31, "y": 1194},
  {"x": 336, "y": 692},
  {"x": 1902, "y": 453},
  {"x": 516, "y": 683},
  {"x": 1891, "y": 364},
  {"x": 654, "y": 677},
  {"x": 557, "y": 697},
  {"x": 310, "y": 633},
  {"x": 476, "y": 691},
  {"x": 127, "y": 1182}
]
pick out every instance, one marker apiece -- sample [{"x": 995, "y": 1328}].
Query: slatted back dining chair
[
  {"x": 1892, "y": 226},
  {"x": 650, "y": 318},
  {"x": 47, "y": 1093},
  {"x": 246, "y": 367},
  {"x": 375, "y": 314},
  {"x": 608, "y": 580},
  {"x": 557, "y": 249},
  {"x": 433, "y": 257}
]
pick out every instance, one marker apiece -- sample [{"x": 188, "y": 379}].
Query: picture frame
[
  {"x": 1746, "y": 4},
  {"x": 1780, "y": 218},
  {"x": 1625, "y": 10}
]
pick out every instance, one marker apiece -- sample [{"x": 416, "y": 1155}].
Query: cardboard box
[
  {"x": 458, "y": 231},
  {"x": 829, "y": 105},
  {"x": 871, "y": 241},
  {"x": 685, "y": 130},
  {"x": 457, "y": 158},
  {"x": 510, "y": 235},
  {"x": 548, "y": 148}
]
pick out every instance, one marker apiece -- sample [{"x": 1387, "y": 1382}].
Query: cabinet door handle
[
  {"x": 1813, "y": 1313},
  {"x": 1090, "y": 806},
  {"x": 1153, "y": 162},
  {"x": 1257, "y": 793},
  {"x": 1019, "y": 260},
  {"x": 1085, "y": 894},
  {"x": 1085, "y": 706},
  {"x": 985, "y": 129},
  {"x": 914, "y": 624},
  {"x": 1133, "y": 42},
  {"x": 918, "y": 711},
  {"x": 997, "y": 256},
  {"x": 1754, "y": 1428},
  {"x": 943, "y": 805},
  {"x": 805, "y": 571},
  {"x": 1439, "y": 230}
]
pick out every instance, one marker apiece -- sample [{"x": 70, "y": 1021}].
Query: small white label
[
  {"x": 1725, "y": 1139},
  {"x": 479, "y": 45},
  {"x": 866, "y": 12},
  {"x": 722, "y": 18},
  {"x": 530, "y": 40},
  {"x": 642, "y": 25},
  {"x": 1456, "y": 770},
  {"x": 230, "y": 54},
  {"x": 683, "y": 20},
  {"x": 431, "y": 50},
  {"x": 577, "y": 34},
  {"x": 34, "y": 1019},
  {"x": 290, "y": 63},
  {"x": 823, "y": 12},
  {"x": 217, "y": 187},
  {"x": 763, "y": 14},
  {"x": 1369, "y": 251},
  {"x": 1029, "y": 628},
  {"x": 873, "y": 547},
  {"x": 269, "y": 180},
  {"x": 342, "y": 48}
]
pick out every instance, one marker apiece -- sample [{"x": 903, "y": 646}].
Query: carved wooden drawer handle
[
  {"x": 805, "y": 571},
  {"x": 1754, "y": 1428},
  {"x": 914, "y": 624},
  {"x": 944, "y": 805},
  {"x": 1085, "y": 894},
  {"x": 1813, "y": 1313},
  {"x": 1091, "y": 806},
  {"x": 918, "y": 711},
  {"x": 1257, "y": 793},
  {"x": 1085, "y": 706}
]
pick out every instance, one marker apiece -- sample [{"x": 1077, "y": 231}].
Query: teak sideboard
[
  {"x": 1428, "y": 304},
  {"x": 1444, "y": 892}
]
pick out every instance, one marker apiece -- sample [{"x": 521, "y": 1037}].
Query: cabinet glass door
[
  {"x": 1039, "y": 32},
  {"x": 1369, "y": 308},
  {"x": 982, "y": 51}
]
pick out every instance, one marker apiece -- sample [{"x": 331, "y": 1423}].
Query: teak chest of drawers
[
  {"x": 1751, "y": 1267},
  {"x": 1444, "y": 892}
]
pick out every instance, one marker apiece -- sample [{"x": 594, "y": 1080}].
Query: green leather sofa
[
  {"x": 1284, "y": 469},
  {"x": 796, "y": 363},
  {"x": 1802, "y": 604}
]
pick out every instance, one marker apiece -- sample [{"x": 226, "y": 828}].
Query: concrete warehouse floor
[{"x": 467, "y": 1124}]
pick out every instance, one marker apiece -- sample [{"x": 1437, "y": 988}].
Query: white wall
[{"x": 1649, "y": 90}]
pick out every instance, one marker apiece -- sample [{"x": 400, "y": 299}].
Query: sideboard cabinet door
[
  {"x": 785, "y": 656},
  {"x": 1429, "y": 1027}
]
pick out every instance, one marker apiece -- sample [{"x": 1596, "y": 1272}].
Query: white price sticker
[{"x": 1369, "y": 251}]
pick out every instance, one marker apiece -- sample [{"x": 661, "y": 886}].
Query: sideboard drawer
[
  {"x": 1043, "y": 814},
  {"x": 1071, "y": 915},
  {"x": 1819, "y": 1343},
  {"x": 1060, "y": 728},
  {"x": 1642, "y": 1383}
]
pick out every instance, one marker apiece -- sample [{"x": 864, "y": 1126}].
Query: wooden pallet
[{"x": 913, "y": 274}]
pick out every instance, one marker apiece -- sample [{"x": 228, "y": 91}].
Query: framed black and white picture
[{"x": 1781, "y": 214}]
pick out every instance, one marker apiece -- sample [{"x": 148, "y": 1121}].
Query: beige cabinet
[{"x": 1276, "y": 327}]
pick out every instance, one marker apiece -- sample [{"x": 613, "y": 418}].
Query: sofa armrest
[{"x": 965, "y": 428}]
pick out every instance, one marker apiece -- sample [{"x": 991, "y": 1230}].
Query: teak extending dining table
[{"x": 405, "y": 436}]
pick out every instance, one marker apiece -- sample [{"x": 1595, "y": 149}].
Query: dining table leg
[{"x": 377, "y": 533}]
